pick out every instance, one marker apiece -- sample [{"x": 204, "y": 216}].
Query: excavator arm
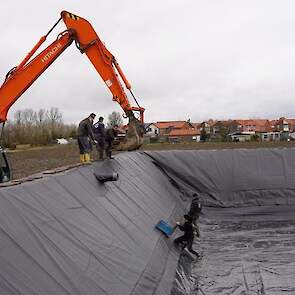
[
  {"x": 20, "y": 78},
  {"x": 79, "y": 30}
]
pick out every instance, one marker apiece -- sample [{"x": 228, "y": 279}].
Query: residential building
[
  {"x": 271, "y": 136},
  {"x": 184, "y": 135},
  {"x": 221, "y": 129},
  {"x": 285, "y": 125},
  {"x": 235, "y": 130},
  {"x": 253, "y": 125},
  {"x": 206, "y": 126},
  {"x": 151, "y": 129},
  {"x": 166, "y": 126},
  {"x": 240, "y": 137}
]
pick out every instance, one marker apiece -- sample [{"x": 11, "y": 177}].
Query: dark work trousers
[
  {"x": 84, "y": 144},
  {"x": 189, "y": 243},
  {"x": 100, "y": 146},
  {"x": 190, "y": 246},
  {"x": 109, "y": 147},
  {"x": 181, "y": 239}
]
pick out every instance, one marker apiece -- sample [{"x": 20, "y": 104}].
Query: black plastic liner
[
  {"x": 70, "y": 234},
  {"x": 248, "y": 251},
  {"x": 247, "y": 239},
  {"x": 233, "y": 178}
]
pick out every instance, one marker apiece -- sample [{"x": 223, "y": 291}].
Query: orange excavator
[{"x": 79, "y": 30}]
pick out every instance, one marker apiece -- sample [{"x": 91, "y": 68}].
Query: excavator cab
[{"x": 5, "y": 171}]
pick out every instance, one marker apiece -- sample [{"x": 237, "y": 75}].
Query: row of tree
[
  {"x": 43, "y": 127},
  {"x": 37, "y": 127}
]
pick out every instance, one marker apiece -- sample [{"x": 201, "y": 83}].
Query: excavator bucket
[{"x": 134, "y": 136}]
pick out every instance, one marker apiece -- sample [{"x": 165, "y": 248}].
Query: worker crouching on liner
[{"x": 84, "y": 135}]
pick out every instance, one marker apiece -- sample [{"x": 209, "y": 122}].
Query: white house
[
  {"x": 151, "y": 129},
  {"x": 271, "y": 136}
]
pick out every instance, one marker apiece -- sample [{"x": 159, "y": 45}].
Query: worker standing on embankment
[
  {"x": 84, "y": 135},
  {"x": 99, "y": 135},
  {"x": 110, "y": 135}
]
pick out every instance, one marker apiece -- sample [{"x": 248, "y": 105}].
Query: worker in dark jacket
[
  {"x": 188, "y": 236},
  {"x": 99, "y": 135},
  {"x": 195, "y": 208},
  {"x": 110, "y": 135},
  {"x": 84, "y": 135}
]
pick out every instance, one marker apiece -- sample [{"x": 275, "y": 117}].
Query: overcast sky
[{"x": 196, "y": 59}]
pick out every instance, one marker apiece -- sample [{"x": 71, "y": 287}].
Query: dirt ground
[{"x": 28, "y": 162}]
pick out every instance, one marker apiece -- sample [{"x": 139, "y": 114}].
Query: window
[{"x": 285, "y": 127}]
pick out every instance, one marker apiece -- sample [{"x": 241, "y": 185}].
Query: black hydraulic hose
[
  {"x": 11, "y": 71},
  {"x": 53, "y": 27},
  {"x": 134, "y": 98}
]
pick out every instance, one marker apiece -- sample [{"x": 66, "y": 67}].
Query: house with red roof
[
  {"x": 281, "y": 129},
  {"x": 236, "y": 130},
  {"x": 285, "y": 125},
  {"x": 172, "y": 131},
  {"x": 253, "y": 125},
  {"x": 184, "y": 135},
  {"x": 166, "y": 126}
]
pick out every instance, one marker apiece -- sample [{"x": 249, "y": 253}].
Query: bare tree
[
  {"x": 18, "y": 117},
  {"x": 41, "y": 116},
  {"x": 18, "y": 127},
  {"x": 29, "y": 117},
  {"x": 114, "y": 119},
  {"x": 54, "y": 115},
  {"x": 37, "y": 128}
]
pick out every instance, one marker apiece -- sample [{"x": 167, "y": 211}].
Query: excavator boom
[
  {"x": 105, "y": 64},
  {"x": 79, "y": 30},
  {"x": 90, "y": 44}
]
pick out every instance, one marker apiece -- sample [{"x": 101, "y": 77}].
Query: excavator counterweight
[{"x": 79, "y": 30}]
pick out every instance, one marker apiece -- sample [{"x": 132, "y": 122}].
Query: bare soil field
[{"x": 28, "y": 162}]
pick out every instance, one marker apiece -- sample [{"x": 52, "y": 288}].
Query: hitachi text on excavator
[{"x": 79, "y": 30}]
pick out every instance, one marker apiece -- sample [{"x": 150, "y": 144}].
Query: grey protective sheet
[
  {"x": 234, "y": 178},
  {"x": 69, "y": 234},
  {"x": 247, "y": 229}
]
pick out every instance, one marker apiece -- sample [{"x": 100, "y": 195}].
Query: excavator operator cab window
[{"x": 5, "y": 173}]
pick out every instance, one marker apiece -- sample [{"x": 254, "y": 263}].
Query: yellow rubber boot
[
  {"x": 82, "y": 158},
  {"x": 87, "y": 158}
]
